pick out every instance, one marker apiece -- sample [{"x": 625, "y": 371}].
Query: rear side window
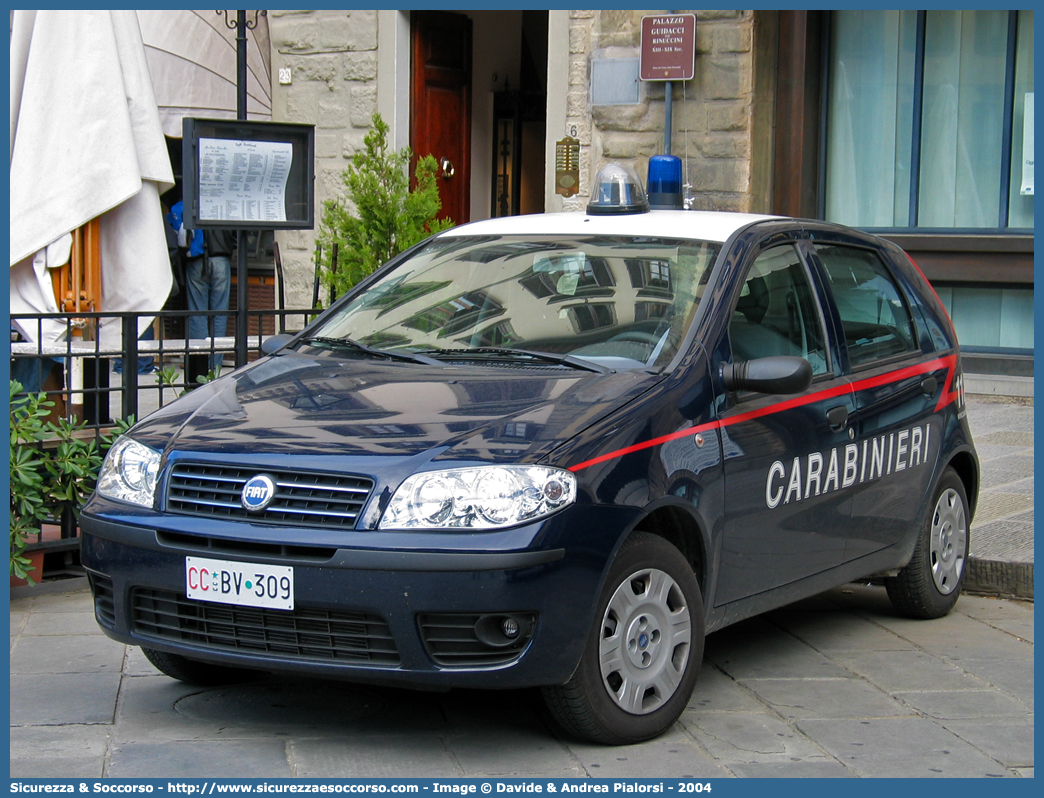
[{"x": 875, "y": 319}]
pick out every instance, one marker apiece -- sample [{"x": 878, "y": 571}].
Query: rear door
[{"x": 896, "y": 382}]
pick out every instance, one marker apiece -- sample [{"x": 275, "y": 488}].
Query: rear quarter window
[{"x": 874, "y": 316}]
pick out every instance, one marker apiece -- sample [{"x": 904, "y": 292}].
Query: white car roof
[{"x": 715, "y": 226}]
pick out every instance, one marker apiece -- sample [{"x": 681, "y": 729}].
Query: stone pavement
[
  {"x": 838, "y": 685},
  {"x": 1001, "y": 557},
  {"x": 834, "y": 686}
]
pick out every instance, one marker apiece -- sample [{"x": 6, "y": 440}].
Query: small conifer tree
[{"x": 382, "y": 216}]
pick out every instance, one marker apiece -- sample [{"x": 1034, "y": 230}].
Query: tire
[
  {"x": 193, "y": 671},
  {"x": 643, "y": 652},
  {"x": 929, "y": 585}
]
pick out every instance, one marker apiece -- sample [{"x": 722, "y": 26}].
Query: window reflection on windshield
[{"x": 624, "y": 301}]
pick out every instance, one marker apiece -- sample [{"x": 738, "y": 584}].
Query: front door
[
  {"x": 787, "y": 458},
  {"x": 440, "y": 104}
]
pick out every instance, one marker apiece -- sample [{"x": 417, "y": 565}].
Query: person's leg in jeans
[
  {"x": 198, "y": 287},
  {"x": 220, "y": 282}
]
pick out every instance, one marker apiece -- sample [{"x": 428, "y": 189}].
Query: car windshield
[{"x": 613, "y": 301}]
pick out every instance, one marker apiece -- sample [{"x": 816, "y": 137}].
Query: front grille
[
  {"x": 472, "y": 640},
  {"x": 104, "y": 599},
  {"x": 300, "y": 634},
  {"x": 331, "y": 501}
]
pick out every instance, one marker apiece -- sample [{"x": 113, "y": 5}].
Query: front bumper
[{"x": 362, "y": 614}]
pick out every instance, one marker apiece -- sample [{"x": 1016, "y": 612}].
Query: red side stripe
[{"x": 945, "y": 397}]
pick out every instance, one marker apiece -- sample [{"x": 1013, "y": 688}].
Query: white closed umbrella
[{"x": 86, "y": 142}]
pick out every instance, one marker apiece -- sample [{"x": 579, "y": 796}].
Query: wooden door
[{"x": 440, "y": 104}]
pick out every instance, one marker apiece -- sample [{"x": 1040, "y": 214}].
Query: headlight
[
  {"x": 129, "y": 473},
  {"x": 488, "y": 497}
]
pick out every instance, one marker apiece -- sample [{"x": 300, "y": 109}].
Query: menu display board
[{"x": 241, "y": 175}]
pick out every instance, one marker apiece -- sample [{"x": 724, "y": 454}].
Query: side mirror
[
  {"x": 781, "y": 374},
  {"x": 275, "y": 343}
]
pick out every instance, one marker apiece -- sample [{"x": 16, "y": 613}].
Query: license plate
[{"x": 245, "y": 584}]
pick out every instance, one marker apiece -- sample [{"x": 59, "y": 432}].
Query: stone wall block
[
  {"x": 335, "y": 30},
  {"x": 327, "y": 144},
  {"x": 719, "y": 78},
  {"x": 728, "y": 115},
  {"x": 295, "y": 35},
  {"x": 322, "y": 67},
  {"x": 578, "y": 72},
  {"x": 725, "y": 145},
  {"x": 732, "y": 38},
  {"x": 300, "y": 105},
  {"x": 630, "y": 145},
  {"x": 576, "y": 103},
  {"x": 297, "y": 239},
  {"x": 359, "y": 66},
  {"x": 578, "y": 38},
  {"x": 702, "y": 16},
  {"x": 581, "y": 14},
  {"x": 351, "y": 143},
  {"x": 333, "y": 112},
  {"x": 364, "y": 104},
  {"x": 640, "y": 118},
  {"x": 362, "y": 30},
  {"x": 719, "y": 174}
]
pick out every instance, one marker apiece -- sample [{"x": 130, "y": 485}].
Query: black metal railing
[{"x": 98, "y": 371}]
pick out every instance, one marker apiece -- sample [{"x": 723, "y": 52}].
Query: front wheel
[
  {"x": 643, "y": 654},
  {"x": 193, "y": 671},
  {"x": 929, "y": 585}
]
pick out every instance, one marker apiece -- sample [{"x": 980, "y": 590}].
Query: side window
[
  {"x": 875, "y": 319},
  {"x": 777, "y": 312}
]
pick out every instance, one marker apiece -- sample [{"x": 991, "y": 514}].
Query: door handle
[
  {"x": 929, "y": 385},
  {"x": 837, "y": 417},
  {"x": 447, "y": 168}
]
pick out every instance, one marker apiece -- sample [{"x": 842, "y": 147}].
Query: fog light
[{"x": 510, "y": 628}]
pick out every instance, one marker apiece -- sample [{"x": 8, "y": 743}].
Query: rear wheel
[
  {"x": 642, "y": 657},
  {"x": 929, "y": 585},
  {"x": 195, "y": 672}
]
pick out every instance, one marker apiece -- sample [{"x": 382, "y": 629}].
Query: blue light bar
[{"x": 665, "y": 182}]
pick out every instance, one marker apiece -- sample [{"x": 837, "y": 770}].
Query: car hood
[{"x": 351, "y": 409}]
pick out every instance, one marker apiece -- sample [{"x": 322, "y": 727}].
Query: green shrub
[
  {"x": 382, "y": 216},
  {"x": 45, "y": 481}
]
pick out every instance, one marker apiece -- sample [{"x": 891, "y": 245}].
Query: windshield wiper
[
  {"x": 551, "y": 357},
  {"x": 348, "y": 343}
]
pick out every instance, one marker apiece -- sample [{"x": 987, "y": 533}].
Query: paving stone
[
  {"x": 58, "y": 751},
  {"x": 900, "y": 748},
  {"x": 78, "y": 601},
  {"x": 953, "y": 635},
  {"x": 1013, "y": 617},
  {"x": 894, "y": 671},
  {"x": 825, "y": 698},
  {"x": 832, "y": 632},
  {"x": 49, "y": 699},
  {"x": 373, "y": 757},
  {"x": 62, "y": 623},
  {"x": 745, "y": 737},
  {"x": 673, "y": 755},
  {"x": 965, "y": 704},
  {"x": 1008, "y": 743},
  {"x": 66, "y": 654},
  {"x": 512, "y": 753},
  {"x": 756, "y": 649},
  {"x": 716, "y": 692},
  {"x": 1012, "y": 676},
  {"x": 1006, "y": 469},
  {"x": 826, "y": 769},
  {"x": 210, "y": 760}
]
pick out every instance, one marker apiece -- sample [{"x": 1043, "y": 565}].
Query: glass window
[
  {"x": 874, "y": 317},
  {"x": 776, "y": 313},
  {"x": 951, "y": 101},
  {"x": 571, "y": 295}
]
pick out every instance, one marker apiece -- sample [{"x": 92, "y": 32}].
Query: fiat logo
[{"x": 257, "y": 493}]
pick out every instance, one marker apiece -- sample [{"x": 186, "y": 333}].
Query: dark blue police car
[{"x": 552, "y": 451}]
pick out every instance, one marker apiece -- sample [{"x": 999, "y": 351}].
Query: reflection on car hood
[{"x": 298, "y": 405}]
